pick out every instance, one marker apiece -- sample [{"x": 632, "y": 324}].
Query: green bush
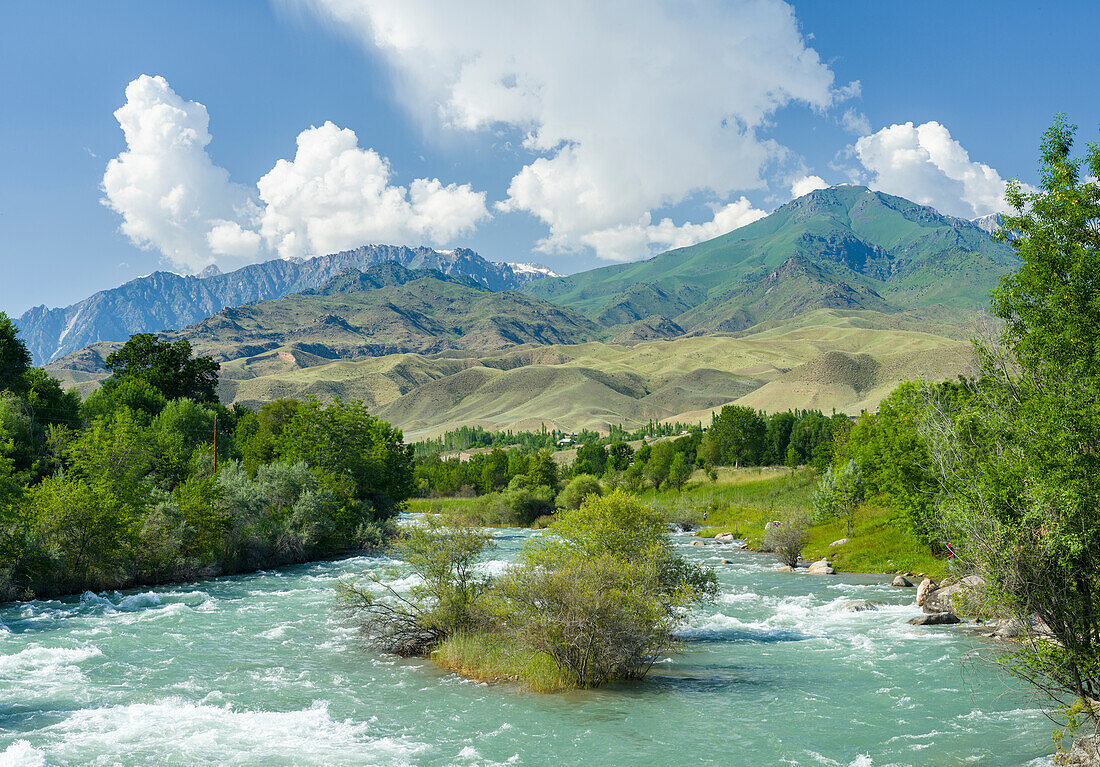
[{"x": 579, "y": 488}]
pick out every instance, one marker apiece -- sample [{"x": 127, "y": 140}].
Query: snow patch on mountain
[{"x": 528, "y": 267}]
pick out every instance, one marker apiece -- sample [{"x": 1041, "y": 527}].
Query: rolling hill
[{"x": 827, "y": 359}]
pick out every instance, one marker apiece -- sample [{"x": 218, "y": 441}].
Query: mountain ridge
[
  {"x": 167, "y": 301},
  {"x": 907, "y": 255}
]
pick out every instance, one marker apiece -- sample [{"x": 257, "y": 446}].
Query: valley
[{"x": 827, "y": 303}]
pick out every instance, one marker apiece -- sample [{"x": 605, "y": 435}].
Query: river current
[{"x": 255, "y": 670}]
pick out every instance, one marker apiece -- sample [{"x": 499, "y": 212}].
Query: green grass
[
  {"x": 492, "y": 658},
  {"x": 743, "y": 501}
]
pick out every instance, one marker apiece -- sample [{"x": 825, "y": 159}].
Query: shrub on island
[{"x": 597, "y": 597}]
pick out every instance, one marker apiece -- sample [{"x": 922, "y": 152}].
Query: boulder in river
[
  {"x": 822, "y": 567},
  {"x": 964, "y": 594},
  {"x": 698, "y": 543},
  {"x": 725, "y": 562},
  {"x": 1008, "y": 628},
  {"x": 725, "y": 538},
  {"x": 935, "y": 619},
  {"x": 922, "y": 590},
  {"x": 1085, "y": 751},
  {"x": 902, "y": 582},
  {"x": 861, "y": 605}
]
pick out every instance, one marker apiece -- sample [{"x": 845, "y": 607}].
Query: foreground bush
[
  {"x": 442, "y": 551},
  {"x": 602, "y": 591},
  {"x": 597, "y": 597}
]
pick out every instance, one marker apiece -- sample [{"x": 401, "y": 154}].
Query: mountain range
[
  {"x": 827, "y": 303},
  {"x": 167, "y": 301}
]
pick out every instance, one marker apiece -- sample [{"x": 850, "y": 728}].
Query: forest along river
[{"x": 254, "y": 670}]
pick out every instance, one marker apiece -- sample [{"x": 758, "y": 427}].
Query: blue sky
[{"x": 704, "y": 113}]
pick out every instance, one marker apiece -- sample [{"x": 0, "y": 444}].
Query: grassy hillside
[
  {"x": 827, "y": 359},
  {"x": 840, "y": 248}
]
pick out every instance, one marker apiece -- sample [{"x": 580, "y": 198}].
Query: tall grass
[{"x": 495, "y": 658}]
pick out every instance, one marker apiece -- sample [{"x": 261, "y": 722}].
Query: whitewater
[{"x": 256, "y": 670}]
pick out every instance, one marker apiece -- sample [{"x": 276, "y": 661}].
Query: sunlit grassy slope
[{"x": 828, "y": 359}]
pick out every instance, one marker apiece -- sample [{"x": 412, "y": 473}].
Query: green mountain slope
[
  {"x": 850, "y": 247},
  {"x": 386, "y": 310}
]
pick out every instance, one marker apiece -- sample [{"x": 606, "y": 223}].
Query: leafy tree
[
  {"x": 619, "y": 456},
  {"x": 10, "y": 481},
  {"x": 810, "y": 431},
  {"x": 591, "y": 459},
  {"x": 14, "y": 357},
  {"x": 494, "y": 472},
  {"x": 893, "y": 455},
  {"x": 47, "y": 401},
  {"x": 90, "y": 527},
  {"x": 578, "y": 489},
  {"x": 167, "y": 367},
  {"x": 679, "y": 471},
  {"x": 777, "y": 437},
  {"x": 180, "y": 428},
  {"x": 659, "y": 463},
  {"x": 839, "y": 493},
  {"x": 542, "y": 471},
  {"x": 736, "y": 436},
  {"x": 136, "y": 394},
  {"x": 257, "y": 434},
  {"x": 793, "y": 459},
  {"x": 344, "y": 438},
  {"x": 1019, "y": 462},
  {"x": 19, "y": 426}
]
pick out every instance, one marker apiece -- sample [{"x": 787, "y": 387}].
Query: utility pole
[{"x": 215, "y": 444}]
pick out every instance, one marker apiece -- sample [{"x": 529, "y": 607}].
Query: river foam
[{"x": 179, "y": 732}]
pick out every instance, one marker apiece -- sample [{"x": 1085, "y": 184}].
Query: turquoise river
[{"x": 255, "y": 670}]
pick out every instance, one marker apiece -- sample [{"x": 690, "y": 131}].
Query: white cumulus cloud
[
  {"x": 626, "y": 107},
  {"x": 625, "y": 242},
  {"x": 171, "y": 196},
  {"x": 925, "y": 164},
  {"x": 332, "y": 196},
  {"x": 807, "y": 184}
]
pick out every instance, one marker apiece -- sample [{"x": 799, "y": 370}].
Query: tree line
[
  {"x": 121, "y": 489},
  {"x": 518, "y": 486},
  {"x": 474, "y": 437}
]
